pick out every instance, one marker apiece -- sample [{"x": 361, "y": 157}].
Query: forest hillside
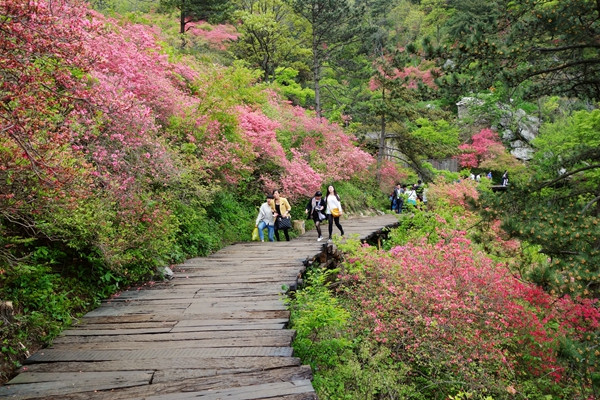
[{"x": 138, "y": 133}]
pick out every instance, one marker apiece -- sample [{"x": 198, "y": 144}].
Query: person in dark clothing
[
  {"x": 281, "y": 209},
  {"x": 505, "y": 178},
  {"x": 315, "y": 209},
  {"x": 399, "y": 198},
  {"x": 419, "y": 189}
]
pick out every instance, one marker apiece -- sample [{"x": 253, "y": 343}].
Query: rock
[
  {"x": 299, "y": 226},
  {"x": 465, "y": 104},
  {"x": 166, "y": 273},
  {"x": 7, "y": 311}
]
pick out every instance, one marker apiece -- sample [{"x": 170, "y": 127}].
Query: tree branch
[
  {"x": 566, "y": 175},
  {"x": 563, "y": 48},
  {"x": 564, "y": 66},
  {"x": 588, "y": 205}
]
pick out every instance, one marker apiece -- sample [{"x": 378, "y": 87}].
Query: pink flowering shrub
[
  {"x": 215, "y": 35},
  {"x": 450, "y": 312},
  {"x": 261, "y": 132},
  {"x": 441, "y": 193},
  {"x": 389, "y": 175},
  {"x": 410, "y": 76},
  {"x": 485, "y": 145},
  {"x": 325, "y": 146}
]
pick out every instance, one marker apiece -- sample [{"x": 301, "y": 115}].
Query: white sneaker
[{"x": 320, "y": 238}]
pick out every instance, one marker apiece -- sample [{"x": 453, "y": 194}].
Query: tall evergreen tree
[
  {"x": 333, "y": 23},
  {"x": 549, "y": 46},
  {"x": 195, "y": 10}
]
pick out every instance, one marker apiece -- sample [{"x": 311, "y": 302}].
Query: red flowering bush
[
  {"x": 484, "y": 145},
  {"x": 455, "y": 316}
]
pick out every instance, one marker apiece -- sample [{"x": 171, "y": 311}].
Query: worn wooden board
[
  {"x": 52, "y": 355},
  {"x": 265, "y": 340},
  {"x": 74, "y": 382},
  {"x": 173, "y": 337},
  {"x": 258, "y": 391},
  {"x": 260, "y": 384},
  {"x": 216, "y": 364}
]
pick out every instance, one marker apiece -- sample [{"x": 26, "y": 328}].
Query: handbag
[
  {"x": 255, "y": 236},
  {"x": 284, "y": 223},
  {"x": 335, "y": 212}
]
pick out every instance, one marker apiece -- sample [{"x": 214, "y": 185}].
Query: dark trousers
[
  {"x": 331, "y": 219},
  {"x": 399, "y": 205},
  {"x": 285, "y": 232}
]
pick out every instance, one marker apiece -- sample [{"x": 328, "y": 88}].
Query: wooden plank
[
  {"x": 100, "y": 332},
  {"x": 259, "y": 391},
  {"x": 128, "y": 318},
  {"x": 232, "y": 296},
  {"x": 52, "y": 355},
  {"x": 263, "y": 341},
  {"x": 287, "y": 373},
  {"x": 29, "y": 377},
  {"x": 224, "y": 322},
  {"x": 234, "y": 314},
  {"x": 220, "y": 363},
  {"x": 172, "y": 337},
  {"x": 232, "y": 327},
  {"x": 126, "y": 325},
  {"x": 236, "y": 384},
  {"x": 45, "y": 389}
]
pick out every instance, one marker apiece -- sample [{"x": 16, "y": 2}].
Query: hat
[{"x": 318, "y": 194}]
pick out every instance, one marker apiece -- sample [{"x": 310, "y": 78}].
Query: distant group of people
[
  {"x": 477, "y": 178},
  {"x": 405, "y": 195},
  {"x": 274, "y": 214}
]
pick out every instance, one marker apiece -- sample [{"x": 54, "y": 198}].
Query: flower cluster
[{"x": 484, "y": 145}]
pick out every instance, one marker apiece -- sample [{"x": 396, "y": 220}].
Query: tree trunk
[
  {"x": 317, "y": 76},
  {"x": 182, "y": 18},
  {"x": 182, "y": 24},
  {"x": 381, "y": 147}
]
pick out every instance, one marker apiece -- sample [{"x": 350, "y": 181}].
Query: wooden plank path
[{"x": 215, "y": 331}]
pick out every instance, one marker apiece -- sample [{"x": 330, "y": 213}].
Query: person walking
[
  {"x": 281, "y": 210},
  {"x": 411, "y": 195},
  {"x": 315, "y": 209},
  {"x": 333, "y": 210},
  {"x": 399, "y": 197},
  {"x": 265, "y": 220},
  {"x": 505, "y": 178}
]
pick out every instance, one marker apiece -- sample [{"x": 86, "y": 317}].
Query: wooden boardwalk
[{"x": 215, "y": 331}]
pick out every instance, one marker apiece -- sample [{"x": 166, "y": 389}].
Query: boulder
[{"x": 299, "y": 226}]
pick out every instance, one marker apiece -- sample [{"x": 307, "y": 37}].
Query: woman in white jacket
[
  {"x": 265, "y": 220},
  {"x": 334, "y": 206}
]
